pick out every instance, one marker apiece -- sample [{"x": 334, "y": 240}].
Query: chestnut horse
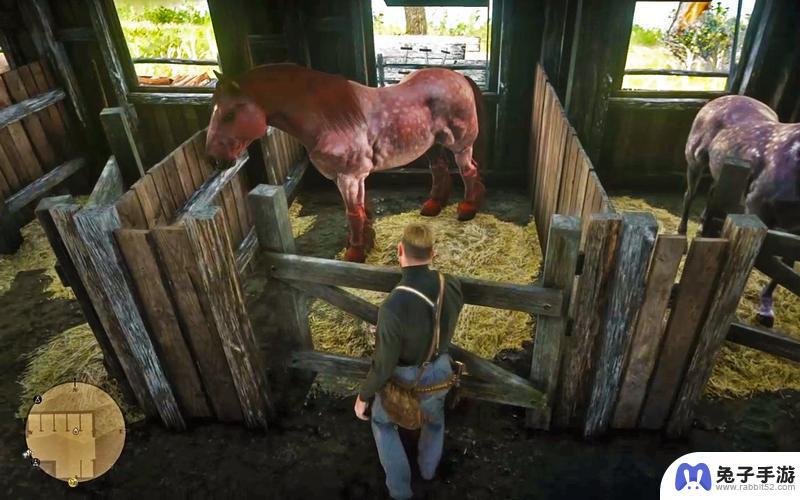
[
  {"x": 743, "y": 128},
  {"x": 351, "y": 130}
]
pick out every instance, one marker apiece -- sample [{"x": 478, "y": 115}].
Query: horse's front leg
[
  {"x": 359, "y": 238},
  {"x": 693, "y": 176},
  {"x": 473, "y": 187},
  {"x": 766, "y": 314},
  {"x": 442, "y": 183}
]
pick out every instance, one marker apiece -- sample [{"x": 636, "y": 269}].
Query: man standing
[{"x": 404, "y": 336}]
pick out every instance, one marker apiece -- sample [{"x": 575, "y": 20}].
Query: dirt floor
[{"x": 317, "y": 449}]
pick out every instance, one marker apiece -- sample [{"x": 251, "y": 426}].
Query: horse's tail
[{"x": 479, "y": 147}]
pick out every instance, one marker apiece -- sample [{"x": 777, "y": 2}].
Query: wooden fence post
[
  {"x": 119, "y": 133},
  {"x": 626, "y": 289},
  {"x": 559, "y": 272},
  {"x": 727, "y": 195},
  {"x": 600, "y": 254},
  {"x": 212, "y": 247},
  {"x": 745, "y": 233},
  {"x": 271, "y": 215}
]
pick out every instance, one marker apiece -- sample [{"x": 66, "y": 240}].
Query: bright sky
[{"x": 658, "y": 14}]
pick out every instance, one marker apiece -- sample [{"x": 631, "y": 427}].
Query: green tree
[{"x": 706, "y": 43}]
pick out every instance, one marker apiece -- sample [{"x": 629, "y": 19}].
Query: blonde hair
[{"x": 418, "y": 240}]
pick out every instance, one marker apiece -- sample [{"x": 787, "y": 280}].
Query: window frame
[
  {"x": 129, "y": 63},
  {"x": 677, "y": 93},
  {"x": 495, "y": 8}
]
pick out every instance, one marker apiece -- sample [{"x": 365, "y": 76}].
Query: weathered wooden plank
[
  {"x": 184, "y": 173},
  {"x": 165, "y": 133},
  {"x": 627, "y": 287},
  {"x": 119, "y": 131},
  {"x": 27, "y": 107},
  {"x": 7, "y": 168},
  {"x": 193, "y": 163},
  {"x": 745, "y": 234},
  {"x": 108, "y": 49},
  {"x": 72, "y": 278},
  {"x": 62, "y": 216},
  {"x": 199, "y": 142},
  {"x": 775, "y": 267},
  {"x": 561, "y": 260},
  {"x": 40, "y": 10},
  {"x": 174, "y": 181},
  {"x": 212, "y": 188},
  {"x": 53, "y": 120},
  {"x": 51, "y": 132},
  {"x": 171, "y": 98},
  {"x": 528, "y": 298},
  {"x": 109, "y": 186},
  {"x": 141, "y": 263},
  {"x": 181, "y": 272},
  {"x": 691, "y": 301},
  {"x": 270, "y": 212},
  {"x": 769, "y": 341},
  {"x": 164, "y": 191},
  {"x": 95, "y": 227},
  {"x": 220, "y": 280},
  {"x": 227, "y": 203},
  {"x": 43, "y": 184},
  {"x": 599, "y": 249},
  {"x": 649, "y": 330},
  {"x": 524, "y": 396},
  {"x": 239, "y": 191},
  {"x": 782, "y": 244},
  {"x": 246, "y": 251},
  {"x": 149, "y": 200},
  {"x": 18, "y": 146}
]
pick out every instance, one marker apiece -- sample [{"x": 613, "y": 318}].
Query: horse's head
[{"x": 237, "y": 121}]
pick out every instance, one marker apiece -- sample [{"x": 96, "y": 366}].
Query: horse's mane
[{"x": 328, "y": 98}]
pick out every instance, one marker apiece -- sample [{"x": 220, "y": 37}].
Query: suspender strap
[{"x": 437, "y": 316}]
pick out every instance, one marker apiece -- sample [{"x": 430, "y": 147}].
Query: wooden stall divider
[
  {"x": 220, "y": 279},
  {"x": 120, "y": 136},
  {"x": 695, "y": 289},
  {"x": 646, "y": 341},
  {"x": 745, "y": 234}
]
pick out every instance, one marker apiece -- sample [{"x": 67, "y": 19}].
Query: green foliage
[
  {"x": 706, "y": 43},
  {"x": 177, "y": 15},
  {"x": 646, "y": 37}
]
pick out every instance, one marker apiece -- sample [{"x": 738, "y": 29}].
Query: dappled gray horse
[{"x": 743, "y": 128}]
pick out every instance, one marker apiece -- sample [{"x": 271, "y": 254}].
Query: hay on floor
[
  {"x": 485, "y": 247},
  {"x": 73, "y": 355},
  {"x": 739, "y": 371}
]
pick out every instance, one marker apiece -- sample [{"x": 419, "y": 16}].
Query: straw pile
[
  {"x": 485, "y": 247},
  {"x": 739, "y": 371}
]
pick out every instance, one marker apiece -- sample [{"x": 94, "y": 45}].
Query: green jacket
[{"x": 405, "y": 325}]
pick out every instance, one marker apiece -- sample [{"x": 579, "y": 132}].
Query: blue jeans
[{"x": 431, "y": 439}]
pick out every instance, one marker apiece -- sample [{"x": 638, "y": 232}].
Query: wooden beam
[
  {"x": 657, "y": 103},
  {"x": 109, "y": 186},
  {"x": 525, "y": 396},
  {"x": 560, "y": 264},
  {"x": 527, "y": 298},
  {"x": 71, "y": 277},
  {"x": 43, "y": 185},
  {"x": 40, "y": 14},
  {"x": 270, "y": 211},
  {"x": 105, "y": 42},
  {"x": 119, "y": 132},
  {"x": 775, "y": 267},
  {"x": 294, "y": 179},
  {"x": 212, "y": 188},
  {"x": 782, "y": 244},
  {"x": 246, "y": 252},
  {"x": 172, "y": 98},
  {"x": 769, "y": 341},
  {"x": 16, "y": 112},
  {"x": 221, "y": 286},
  {"x": 745, "y": 234},
  {"x": 627, "y": 289},
  {"x": 79, "y": 34}
]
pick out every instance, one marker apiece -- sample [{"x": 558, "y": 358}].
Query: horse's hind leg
[
  {"x": 694, "y": 173},
  {"x": 473, "y": 187},
  {"x": 442, "y": 183}
]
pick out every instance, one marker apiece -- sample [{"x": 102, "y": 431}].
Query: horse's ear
[{"x": 226, "y": 83}]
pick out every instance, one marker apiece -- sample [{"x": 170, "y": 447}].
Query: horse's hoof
[
  {"x": 466, "y": 211},
  {"x": 431, "y": 208},
  {"x": 355, "y": 254},
  {"x": 765, "y": 320}
]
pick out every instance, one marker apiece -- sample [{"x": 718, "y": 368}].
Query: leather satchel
[{"x": 400, "y": 400}]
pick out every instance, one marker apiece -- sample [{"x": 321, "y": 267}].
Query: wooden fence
[
  {"x": 561, "y": 177},
  {"x": 156, "y": 270},
  {"x": 36, "y": 152}
]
